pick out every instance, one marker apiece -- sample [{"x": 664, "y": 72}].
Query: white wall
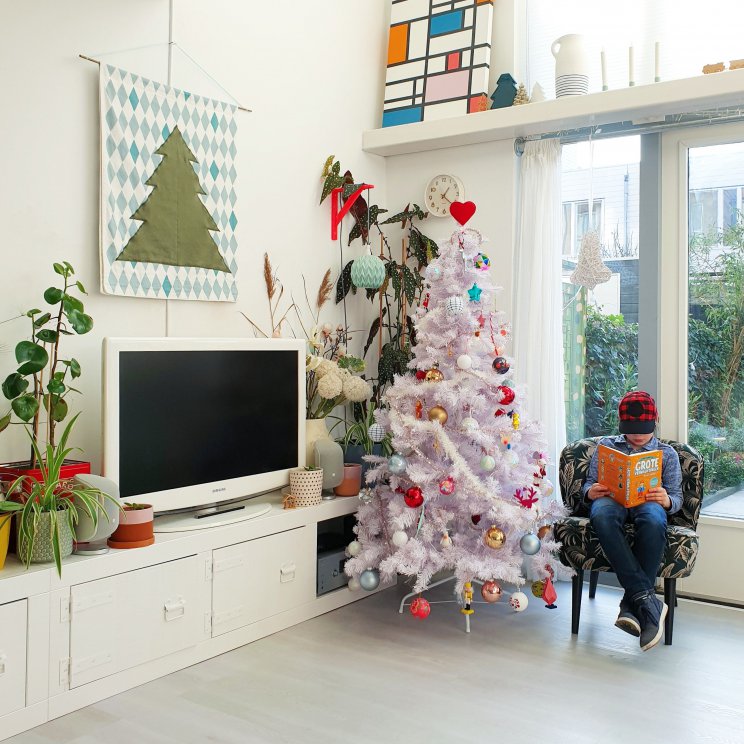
[{"x": 312, "y": 73}]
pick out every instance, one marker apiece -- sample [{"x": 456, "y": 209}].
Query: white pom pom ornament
[
  {"x": 464, "y": 361},
  {"x": 518, "y": 601},
  {"x": 354, "y": 548},
  {"x": 399, "y": 538}
]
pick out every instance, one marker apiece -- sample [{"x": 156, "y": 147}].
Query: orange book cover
[{"x": 629, "y": 477}]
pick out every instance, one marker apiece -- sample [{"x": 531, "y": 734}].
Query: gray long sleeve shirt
[{"x": 671, "y": 472}]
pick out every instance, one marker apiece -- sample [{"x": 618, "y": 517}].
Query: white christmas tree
[{"x": 465, "y": 490}]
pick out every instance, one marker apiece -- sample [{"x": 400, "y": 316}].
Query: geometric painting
[
  {"x": 167, "y": 191},
  {"x": 439, "y": 53}
]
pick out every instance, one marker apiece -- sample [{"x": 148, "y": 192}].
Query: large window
[
  {"x": 600, "y": 326},
  {"x": 716, "y": 323}
]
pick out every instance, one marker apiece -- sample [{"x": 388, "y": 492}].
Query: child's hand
[
  {"x": 660, "y": 496},
  {"x": 598, "y": 491}
]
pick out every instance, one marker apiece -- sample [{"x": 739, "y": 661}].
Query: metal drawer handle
[
  {"x": 174, "y": 610},
  {"x": 3, "y": 659},
  {"x": 287, "y": 572}
]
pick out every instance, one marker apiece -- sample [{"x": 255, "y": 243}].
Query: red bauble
[
  {"x": 414, "y": 497},
  {"x": 420, "y": 374},
  {"x": 507, "y": 394},
  {"x": 475, "y": 518},
  {"x": 499, "y": 412},
  {"x": 420, "y": 608}
]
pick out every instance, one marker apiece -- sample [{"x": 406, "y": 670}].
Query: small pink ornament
[{"x": 447, "y": 486}]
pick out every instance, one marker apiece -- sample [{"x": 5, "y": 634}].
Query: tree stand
[{"x": 465, "y": 600}]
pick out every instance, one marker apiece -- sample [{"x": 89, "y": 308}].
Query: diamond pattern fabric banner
[{"x": 168, "y": 178}]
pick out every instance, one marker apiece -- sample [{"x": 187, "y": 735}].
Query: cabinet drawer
[
  {"x": 125, "y": 620},
  {"x": 13, "y": 618},
  {"x": 263, "y": 577}
]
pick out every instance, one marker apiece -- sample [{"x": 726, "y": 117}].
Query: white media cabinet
[{"x": 117, "y": 620}]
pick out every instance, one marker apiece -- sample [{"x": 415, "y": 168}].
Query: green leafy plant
[
  {"x": 62, "y": 500},
  {"x": 357, "y": 431},
  {"x": 42, "y": 379},
  {"x": 403, "y": 287}
]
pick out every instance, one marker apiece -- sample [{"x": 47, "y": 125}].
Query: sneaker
[
  {"x": 650, "y": 611},
  {"x": 627, "y": 620}
]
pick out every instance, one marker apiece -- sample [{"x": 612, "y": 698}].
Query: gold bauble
[
  {"x": 438, "y": 413},
  {"x": 538, "y": 587},
  {"x": 544, "y": 531},
  {"x": 495, "y": 537},
  {"x": 434, "y": 374}
]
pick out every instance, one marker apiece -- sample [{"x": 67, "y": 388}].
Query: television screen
[{"x": 190, "y": 417}]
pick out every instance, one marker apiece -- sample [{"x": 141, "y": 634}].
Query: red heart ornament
[{"x": 462, "y": 211}]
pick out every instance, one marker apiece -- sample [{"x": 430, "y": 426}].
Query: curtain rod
[
  {"x": 627, "y": 128},
  {"x": 98, "y": 62}
]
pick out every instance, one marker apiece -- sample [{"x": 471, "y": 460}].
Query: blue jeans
[{"x": 635, "y": 568}]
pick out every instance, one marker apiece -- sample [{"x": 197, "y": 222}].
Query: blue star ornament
[{"x": 474, "y": 293}]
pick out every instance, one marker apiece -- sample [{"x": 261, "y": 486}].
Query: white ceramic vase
[{"x": 571, "y": 65}]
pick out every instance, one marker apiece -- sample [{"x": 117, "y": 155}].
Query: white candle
[
  {"x": 631, "y": 76},
  {"x": 604, "y": 70},
  {"x": 657, "y": 76}
]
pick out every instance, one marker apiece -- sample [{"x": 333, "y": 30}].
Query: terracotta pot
[
  {"x": 135, "y": 529},
  {"x": 352, "y": 481}
]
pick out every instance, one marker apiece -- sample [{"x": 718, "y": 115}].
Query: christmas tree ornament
[
  {"x": 491, "y": 591},
  {"x": 365, "y": 495},
  {"x": 438, "y": 413},
  {"x": 521, "y": 98},
  {"x": 454, "y": 305},
  {"x": 518, "y": 601},
  {"x": 420, "y": 608},
  {"x": 590, "y": 269},
  {"x": 399, "y": 538},
  {"x": 538, "y": 587},
  {"x": 419, "y": 409},
  {"x": 467, "y": 599},
  {"x": 397, "y": 464},
  {"x": 368, "y": 272},
  {"x": 500, "y": 365},
  {"x": 434, "y": 374},
  {"x": 547, "y": 487},
  {"x": 475, "y": 293},
  {"x": 549, "y": 594},
  {"x": 530, "y": 544},
  {"x": 354, "y": 584},
  {"x": 414, "y": 497},
  {"x": 482, "y": 262},
  {"x": 446, "y": 541},
  {"x": 354, "y": 548},
  {"x": 425, "y": 303},
  {"x": 499, "y": 412},
  {"x": 469, "y": 425},
  {"x": 487, "y": 463},
  {"x": 527, "y": 497},
  {"x": 475, "y": 518},
  {"x": 447, "y": 486},
  {"x": 377, "y": 432},
  {"x": 507, "y": 394},
  {"x": 420, "y": 374},
  {"x": 544, "y": 531},
  {"x": 433, "y": 272},
  {"x": 369, "y": 579},
  {"x": 515, "y": 421},
  {"x": 495, "y": 537},
  {"x": 512, "y": 458},
  {"x": 464, "y": 361}
]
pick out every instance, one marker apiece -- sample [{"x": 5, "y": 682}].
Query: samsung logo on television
[{"x": 217, "y": 490}]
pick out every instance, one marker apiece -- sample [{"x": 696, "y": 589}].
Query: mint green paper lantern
[{"x": 368, "y": 272}]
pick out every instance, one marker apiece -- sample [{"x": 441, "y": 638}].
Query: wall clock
[{"x": 441, "y": 191}]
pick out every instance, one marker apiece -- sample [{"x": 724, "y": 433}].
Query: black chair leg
[
  {"x": 577, "y": 584},
  {"x": 670, "y": 597},
  {"x": 593, "y": 579}
]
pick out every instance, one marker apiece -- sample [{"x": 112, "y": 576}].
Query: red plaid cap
[{"x": 638, "y": 414}]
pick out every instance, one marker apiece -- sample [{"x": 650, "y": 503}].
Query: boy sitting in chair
[{"x": 641, "y": 612}]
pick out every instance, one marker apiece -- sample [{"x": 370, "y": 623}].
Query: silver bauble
[
  {"x": 397, "y": 464},
  {"x": 530, "y": 543},
  {"x": 369, "y": 579}
]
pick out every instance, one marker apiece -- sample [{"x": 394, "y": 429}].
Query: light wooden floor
[{"x": 366, "y": 674}]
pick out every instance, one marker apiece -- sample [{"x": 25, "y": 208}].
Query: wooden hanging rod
[{"x": 98, "y": 62}]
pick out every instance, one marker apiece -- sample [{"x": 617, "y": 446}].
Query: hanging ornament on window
[{"x": 590, "y": 269}]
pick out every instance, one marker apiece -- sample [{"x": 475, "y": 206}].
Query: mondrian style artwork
[
  {"x": 167, "y": 191},
  {"x": 439, "y": 52}
]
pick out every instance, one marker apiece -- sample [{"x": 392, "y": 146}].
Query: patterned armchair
[{"x": 580, "y": 548}]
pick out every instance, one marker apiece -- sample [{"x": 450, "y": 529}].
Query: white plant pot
[{"x": 306, "y": 486}]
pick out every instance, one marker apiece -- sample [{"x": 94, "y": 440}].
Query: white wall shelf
[{"x": 640, "y": 103}]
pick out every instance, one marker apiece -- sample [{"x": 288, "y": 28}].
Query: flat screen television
[{"x": 191, "y": 422}]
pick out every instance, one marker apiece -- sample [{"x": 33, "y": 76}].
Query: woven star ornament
[{"x": 590, "y": 269}]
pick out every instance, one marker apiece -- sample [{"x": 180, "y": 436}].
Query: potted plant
[
  {"x": 135, "y": 528},
  {"x": 43, "y": 378},
  {"x": 50, "y": 505},
  {"x": 357, "y": 441},
  {"x": 306, "y": 485}
]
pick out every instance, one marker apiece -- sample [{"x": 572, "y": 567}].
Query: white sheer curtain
[{"x": 538, "y": 301}]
